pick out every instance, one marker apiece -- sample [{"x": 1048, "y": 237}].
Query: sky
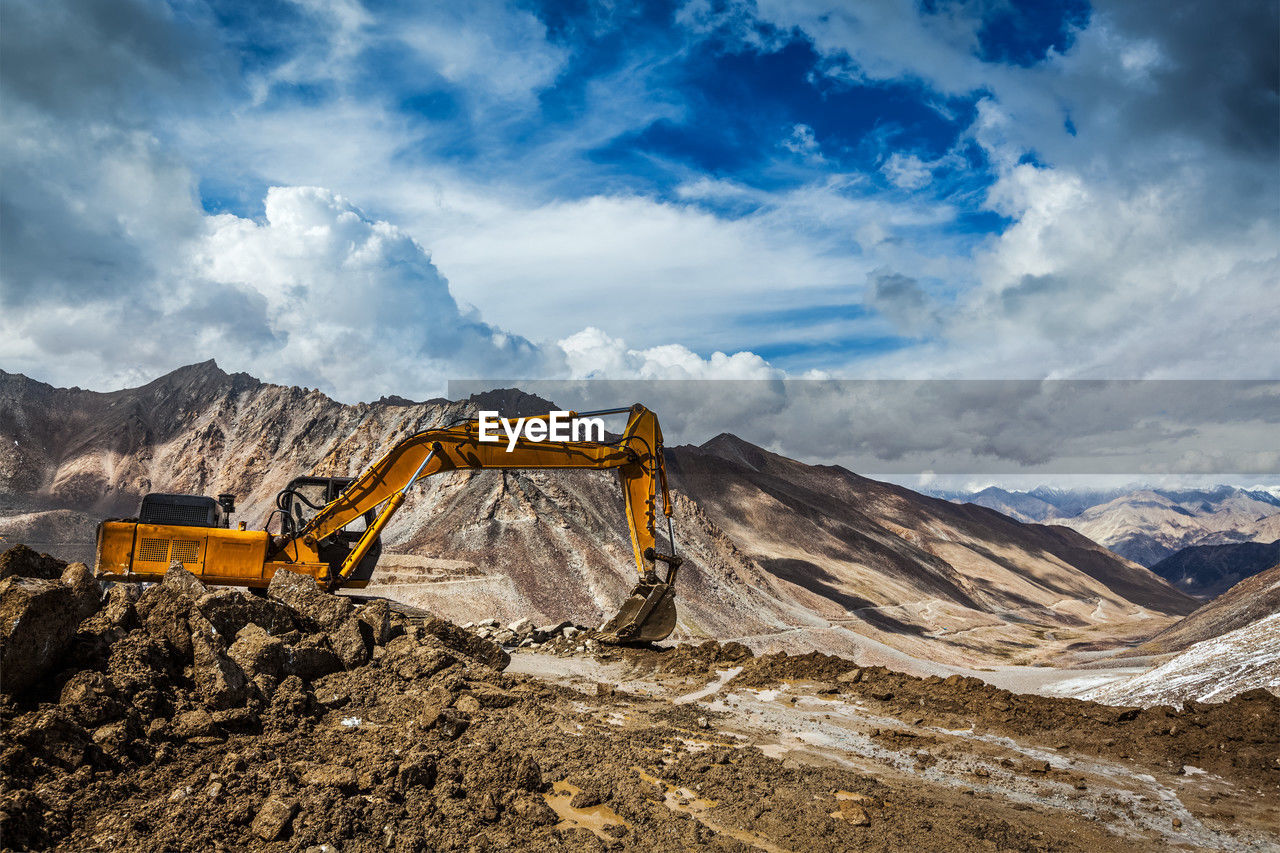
[{"x": 374, "y": 198}]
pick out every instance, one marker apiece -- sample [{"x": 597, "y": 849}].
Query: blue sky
[{"x": 372, "y": 198}]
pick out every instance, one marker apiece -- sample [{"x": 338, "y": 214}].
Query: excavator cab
[{"x": 300, "y": 501}]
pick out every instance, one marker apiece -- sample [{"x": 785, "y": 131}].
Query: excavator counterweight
[{"x": 331, "y": 527}]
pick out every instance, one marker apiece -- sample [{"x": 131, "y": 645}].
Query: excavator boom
[{"x": 322, "y": 547}]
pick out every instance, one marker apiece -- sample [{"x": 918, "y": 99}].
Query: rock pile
[
  {"x": 21, "y": 560},
  {"x": 565, "y": 637},
  {"x": 96, "y": 683}
]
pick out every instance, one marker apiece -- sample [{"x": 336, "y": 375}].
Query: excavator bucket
[{"x": 647, "y": 616}]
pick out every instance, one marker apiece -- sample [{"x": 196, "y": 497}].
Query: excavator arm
[{"x": 649, "y": 614}]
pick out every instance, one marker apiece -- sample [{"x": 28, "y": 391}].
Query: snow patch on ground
[{"x": 1210, "y": 671}]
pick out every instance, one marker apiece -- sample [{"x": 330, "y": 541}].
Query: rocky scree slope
[{"x": 776, "y": 550}]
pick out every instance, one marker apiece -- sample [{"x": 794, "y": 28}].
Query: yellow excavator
[{"x": 330, "y": 527}]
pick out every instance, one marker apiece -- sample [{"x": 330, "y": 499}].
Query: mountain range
[
  {"x": 1144, "y": 525},
  {"x": 780, "y": 554}
]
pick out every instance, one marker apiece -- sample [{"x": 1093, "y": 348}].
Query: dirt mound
[
  {"x": 24, "y": 562},
  {"x": 1196, "y": 735},
  {"x": 183, "y": 718},
  {"x": 683, "y": 659},
  {"x": 101, "y": 687}
]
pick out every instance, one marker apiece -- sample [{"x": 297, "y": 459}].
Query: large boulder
[
  {"x": 230, "y": 610},
  {"x": 37, "y": 620},
  {"x": 84, "y": 588},
  {"x": 301, "y": 592},
  {"x": 166, "y": 607},
  {"x": 311, "y": 658},
  {"x": 119, "y": 608},
  {"x": 258, "y": 653},
  {"x": 348, "y": 643},
  {"x": 219, "y": 679},
  {"x": 375, "y": 622},
  {"x": 183, "y": 582},
  {"x": 92, "y": 698},
  {"x": 164, "y": 613},
  {"x": 23, "y": 562}
]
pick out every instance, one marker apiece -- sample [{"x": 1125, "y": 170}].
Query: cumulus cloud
[
  {"x": 1138, "y": 169},
  {"x": 591, "y": 354},
  {"x": 353, "y": 300},
  {"x": 907, "y": 171}
]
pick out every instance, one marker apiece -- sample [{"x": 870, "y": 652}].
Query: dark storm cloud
[
  {"x": 85, "y": 58},
  {"x": 1217, "y": 76},
  {"x": 901, "y": 299}
]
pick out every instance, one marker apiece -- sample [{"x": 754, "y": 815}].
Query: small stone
[
  {"x": 452, "y": 724},
  {"x": 981, "y": 772},
  {"x": 1177, "y": 823},
  {"x": 521, "y": 626},
  {"x": 197, "y": 723},
  {"x": 703, "y": 723},
  {"x": 331, "y": 776},
  {"x": 853, "y": 676},
  {"x": 488, "y": 809},
  {"x": 854, "y": 814},
  {"x": 273, "y": 818},
  {"x": 417, "y": 769}
]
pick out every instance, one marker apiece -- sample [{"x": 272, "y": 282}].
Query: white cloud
[
  {"x": 591, "y": 354},
  {"x": 1144, "y": 245},
  {"x": 1143, "y": 237},
  {"x": 907, "y": 171}
]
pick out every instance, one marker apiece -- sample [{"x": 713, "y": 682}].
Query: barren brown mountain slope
[{"x": 779, "y": 553}]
